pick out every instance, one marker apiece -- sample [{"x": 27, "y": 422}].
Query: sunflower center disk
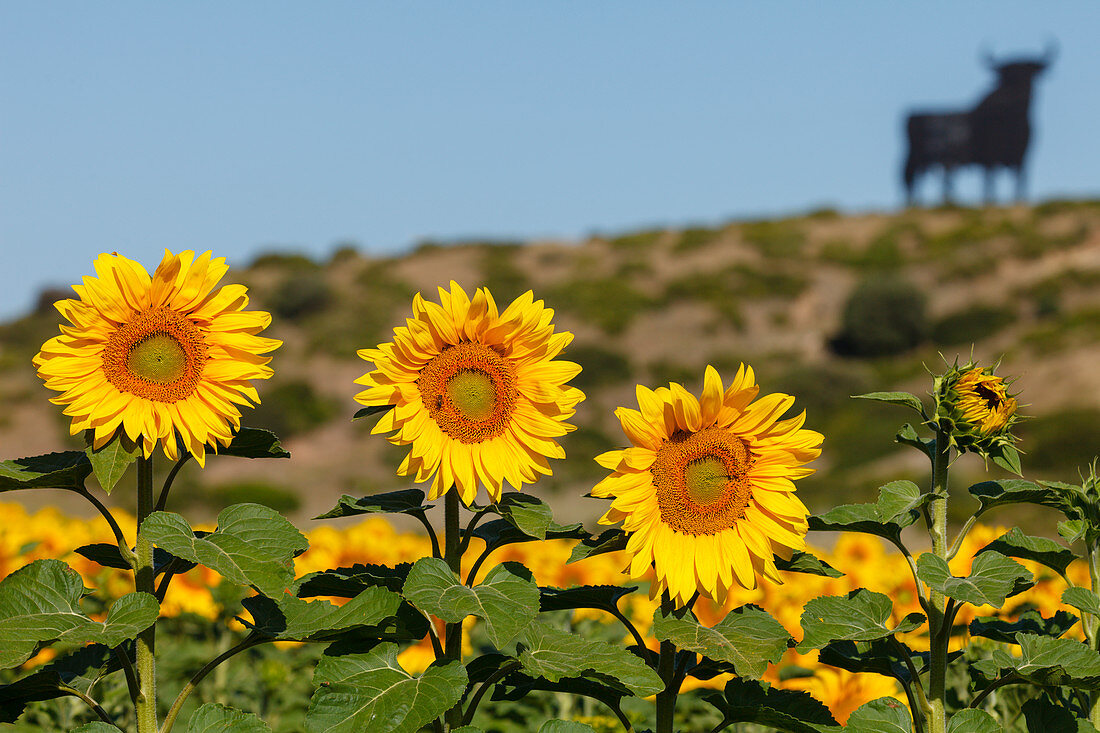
[
  {"x": 159, "y": 359},
  {"x": 158, "y": 355},
  {"x": 702, "y": 481},
  {"x": 473, "y": 394},
  {"x": 470, "y": 391}
]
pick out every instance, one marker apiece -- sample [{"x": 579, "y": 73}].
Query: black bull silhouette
[{"x": 994, "y": 134}]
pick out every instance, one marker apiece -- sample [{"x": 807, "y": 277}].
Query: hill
[{"x": 822, "y": 306}]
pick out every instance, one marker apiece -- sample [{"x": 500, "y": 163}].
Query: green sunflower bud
[{"x": 976, "y": 412}]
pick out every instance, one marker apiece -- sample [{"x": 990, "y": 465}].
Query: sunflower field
[{"x": 703, "y": 604}]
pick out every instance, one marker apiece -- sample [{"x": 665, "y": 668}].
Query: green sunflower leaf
[
  {"x": 79, "y": 668},
  {"x": 612, "y": 540},
  {"x": 501, "y": 532},
  {"x": 555, "y": 655},
  {"x": 1040, "y": 714},
  {"x": 289, "y": 618},
  {"x": 108, "y": 555},
  {"x": 807, "y": 563},
  {"x": 600, "y": 597},
  {"x": 518, "y": 686},
  {"x": 1015, "y": 543},
  {"x": 993, "y": 578},
  {"x": 749, "y": 701},
  {"x": 1046, "y": 661},
  {"x": 253, "y": 545},
  {"x": 254, "y": 443},
  {"x": 1082, "y": 599},
  {"x": 1007, "y": 457},
  {"x": 748, "y": 638},
  {"x": 371, "y": 411},
  {"x": 862, "y": 615},
  {"x": 51, "y": 471},
  {"x": 371, "y": 692},
  {"x": 993, "y": 494},
  {"x": 1072, "y": 530},
  {"x": 527, "y": 513},
  {"x": 351, "y": 581},
  {"x": 506, "y": 601},
  {"x": 97, "y": 726},
  {"x": 895, "y": 398},
  {"x": 565, "y": 726},
  {"x": 215, "y": 718},
  {"x": 110, "y": 462},
  {"x": 405, "y": 501},
  {"x": 898, "y": 506},
  {"x": 40, "y": 604},
  {"x": 975, "y": 721},
  {"x": 884, "y": 715},
  {"x": 878, "y": 656},
  {"x": 1031, "y": 622},
  {"x": 908, "y": 435}
]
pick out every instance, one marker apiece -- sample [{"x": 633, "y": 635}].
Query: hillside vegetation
[{"x": 822, "y": 306}]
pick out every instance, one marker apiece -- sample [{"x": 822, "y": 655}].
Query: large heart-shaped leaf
[
  {"x": 555, "y": 655},
  {"x": 290, "y": 618},
  {"x": 371, "y": 692},
  {"x": 39, "y": 603},
  {"x": 253, "y": 545},
  {"x": 878, "y": 656},
  {"x": 351, "y": 581},
  {"x": 749, "y": 701},
  {"x": 1046, "y": 661},
  {"x": 529, "y": 514},
  {"x": 1015, "y": 543},
  {"x": 1082, "y": 599},
  {"x": 993, "y": 578},
  {"x": 974, "y": 721},
  {"x": 76, "y": 669},
  {"x": 405, "y": 501},
  {"x": 215, "y": 718},
  {"x": 884, "y": 715},
  {"x": 52, "y": 471},
  {"x": 1030, "y": 622},
  {"x": 506, "y": 601},
  {"x": 748, "y": 638},
  {"x": 1040, "y": 714},
  {"x": 862, "y": 615},
  {"x": 898, "y": 506}
]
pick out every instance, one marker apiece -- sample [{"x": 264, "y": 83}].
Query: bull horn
[
  {"x": 1050, "y": 52},
  {"x": 986, "y": 56}
]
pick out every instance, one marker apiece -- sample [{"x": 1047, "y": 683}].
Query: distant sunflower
[
  {"x": 159, "y": 357},
  {"x": 707, "y": 490},
  {"x": 476, "y": 393}
]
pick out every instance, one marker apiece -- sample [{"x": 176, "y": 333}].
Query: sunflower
[
  {"x": 476, "y": 393},
  {"x": 707, "y": 489},
  {"x": 157, "y": 357},
  {"x": 974, "y": 408},
  {"x": 983, "y": 401}
]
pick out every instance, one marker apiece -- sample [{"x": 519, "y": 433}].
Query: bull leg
[
  {"x": 989, "y": 186},
  {"x": 948, "y": 193},
  {"x": 1021, "y": 184}
]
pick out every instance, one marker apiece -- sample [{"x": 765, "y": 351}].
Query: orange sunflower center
[
  {"x": 470, "y": 391},
  {"x": 159, "y": 355},
  {"x": 702, "y": 480}
]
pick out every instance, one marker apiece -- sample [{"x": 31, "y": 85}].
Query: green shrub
[
  {"x": 296, "y": 261},
  {"x": 774, "y": 238},
  {"x": 599, "y": 366},
  {"x": 301, "y": 294},
  {"x": 972, "y": 324},
  {"x": 609, "y": 303},
  {"x": 279, "y": 498},
  {"x": 501, "y": 275},
  {"x": 882, "y": 317},
  {"x": 292, "y": 408}
]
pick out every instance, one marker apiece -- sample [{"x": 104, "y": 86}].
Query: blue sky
[{"x": 242, "y": 127}]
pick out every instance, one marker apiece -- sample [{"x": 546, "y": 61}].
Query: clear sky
[{"x": 246, "y": 126}]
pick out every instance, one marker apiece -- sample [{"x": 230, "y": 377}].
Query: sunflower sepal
[{"x": 109, "y": 462}]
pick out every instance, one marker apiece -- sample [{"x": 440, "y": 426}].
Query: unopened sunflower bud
[{"x": 975, "y": 410}]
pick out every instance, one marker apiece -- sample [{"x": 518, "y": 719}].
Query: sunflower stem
[
  {"x": 1094, "y": 577},
  {"x": 144, "y": 582},
  {"x": 452, "y": 555},
  {"x": 939, "y": 637},
  {"x": 666, "y": 670}
]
